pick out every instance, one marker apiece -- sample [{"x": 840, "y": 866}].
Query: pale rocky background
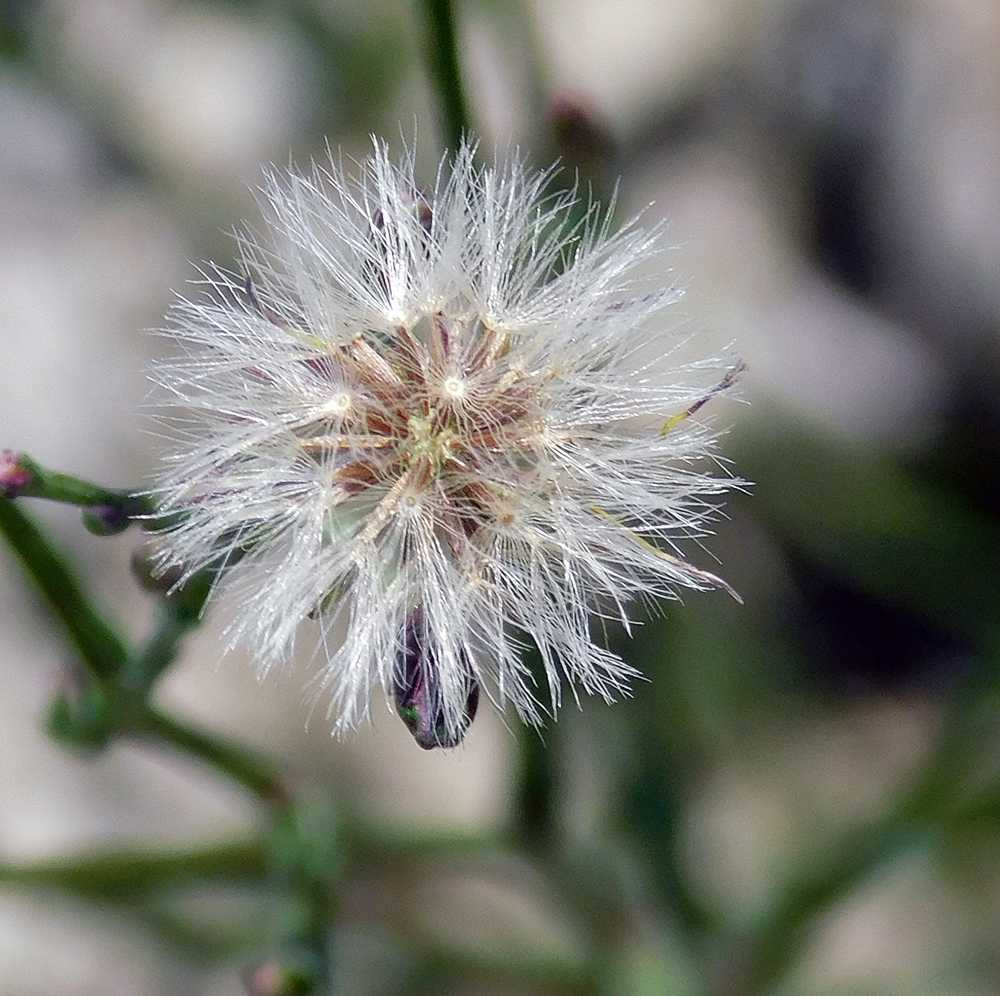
[{"x": 138, "y": 154}]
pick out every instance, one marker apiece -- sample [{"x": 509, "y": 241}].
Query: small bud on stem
[
  {"x": 274, "y": 979},
  {"x": 106, "y": 511},
  {"x": 15, "y": 474},
  {"x": 419, "y": 701}
]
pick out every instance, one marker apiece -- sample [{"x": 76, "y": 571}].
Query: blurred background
[{"x": 831, "y": 173}]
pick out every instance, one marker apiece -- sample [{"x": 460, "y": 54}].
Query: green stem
[
  {"x": 107, "y": 658},
  {"x": 124, "y": 875},
  {"x": 149, "y": 724},
  {"x": 306, "y": 864},
  {"x": 144, "y": 887},
  {"x": 177, "y": 613},
  {"x": 534, "y": 804},
  {"x": 777, "y": 945},
  {"x": 534, "y": 801},
  {"x": 921, "y": 810},
  {"x": 98, "y": 645},
  {"x": 655, "y": 804},
  {"x": 450, "y": 969},
  {"x": 40, "y": 482},
  {"x": 444, "y": 71},
  {"x": 395, "y": 851},
  {"x": 160, "y": 649}
]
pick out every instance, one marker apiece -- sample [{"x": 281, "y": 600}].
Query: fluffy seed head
[{"x": 432, "y": 424}]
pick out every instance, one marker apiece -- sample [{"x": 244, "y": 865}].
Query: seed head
[{"x": 435, "y": 424}]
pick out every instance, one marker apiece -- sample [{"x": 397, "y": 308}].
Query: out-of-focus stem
[
  {"x": 444, "y": 69},
  {"x": 920, "y": 811},
  {"x": 150, "y": 725},
  {"x": 177, "y": 613},
  {"x": 107, "y": 658},
  {"x": 100, "y": 648},
  {"x": 535, "y": 791},
  {"x": 124, "y": 874}
]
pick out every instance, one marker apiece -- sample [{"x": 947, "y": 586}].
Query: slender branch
[
  {"x": 22, "y": 477},
  {"x": 99, "y": 646},
  {"x": 142, "y": 885},
  {"x": 535, "y": 792},
  {"x": 146, "y": 723},
  {"x": 858, "y": 857},
  {"x": 922, "y": 809},
  {"x": 655, "y": 804},
  {"x": 107, "y": 658},
  {"x": 441, "y": 968},
  {"x": 306, "y": 862},
  {"x": 444, "y": 69},
  {"x": 125, "y": 874},
  {"x": 177, "y": 613}
]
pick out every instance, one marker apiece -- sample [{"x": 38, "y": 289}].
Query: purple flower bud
[
  {"x": 419, "y": 699},
  {"x": 15, "y": 474},
  {"x": 105, "y": 520}
]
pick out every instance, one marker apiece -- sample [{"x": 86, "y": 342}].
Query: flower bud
[
  {"x": 275, "y": 979},
  {"x": 79, "y": 715},
  {"x": 15, "y": 474},
  {"x": 146, "y": 573},
  {"x": 105, "y": 520},
  {"x": 417, "y": 691}
]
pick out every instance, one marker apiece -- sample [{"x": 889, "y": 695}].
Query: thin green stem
[
  {"x": 919, "y": 812},
  {"x": 147, "y": 723},
  {"x": 144, "y": 886},
  {"x": 444, "y": 69},
  {"x": 100, "y": 648},
  {"x": 655, "y": 805},
  {"x": 534, "y": 802},
  {"x": 857, "y": 859},
  {"x": 177, "y": 613},
  {"x": 123, "y": 875},
  {"x": 448, "y": 969},
  {"x": 36, "y": 481},
  {"x": 306, "y": 863},
  {"x": 391, "y": 850},
  {"x": 107, "y": 658},
  {"x": 159, "y": 650}
]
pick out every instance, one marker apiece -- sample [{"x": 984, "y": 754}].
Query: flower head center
[{"x": 428, "y": 438}]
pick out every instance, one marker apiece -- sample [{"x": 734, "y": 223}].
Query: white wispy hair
[{"x": 436, "y": 423}]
